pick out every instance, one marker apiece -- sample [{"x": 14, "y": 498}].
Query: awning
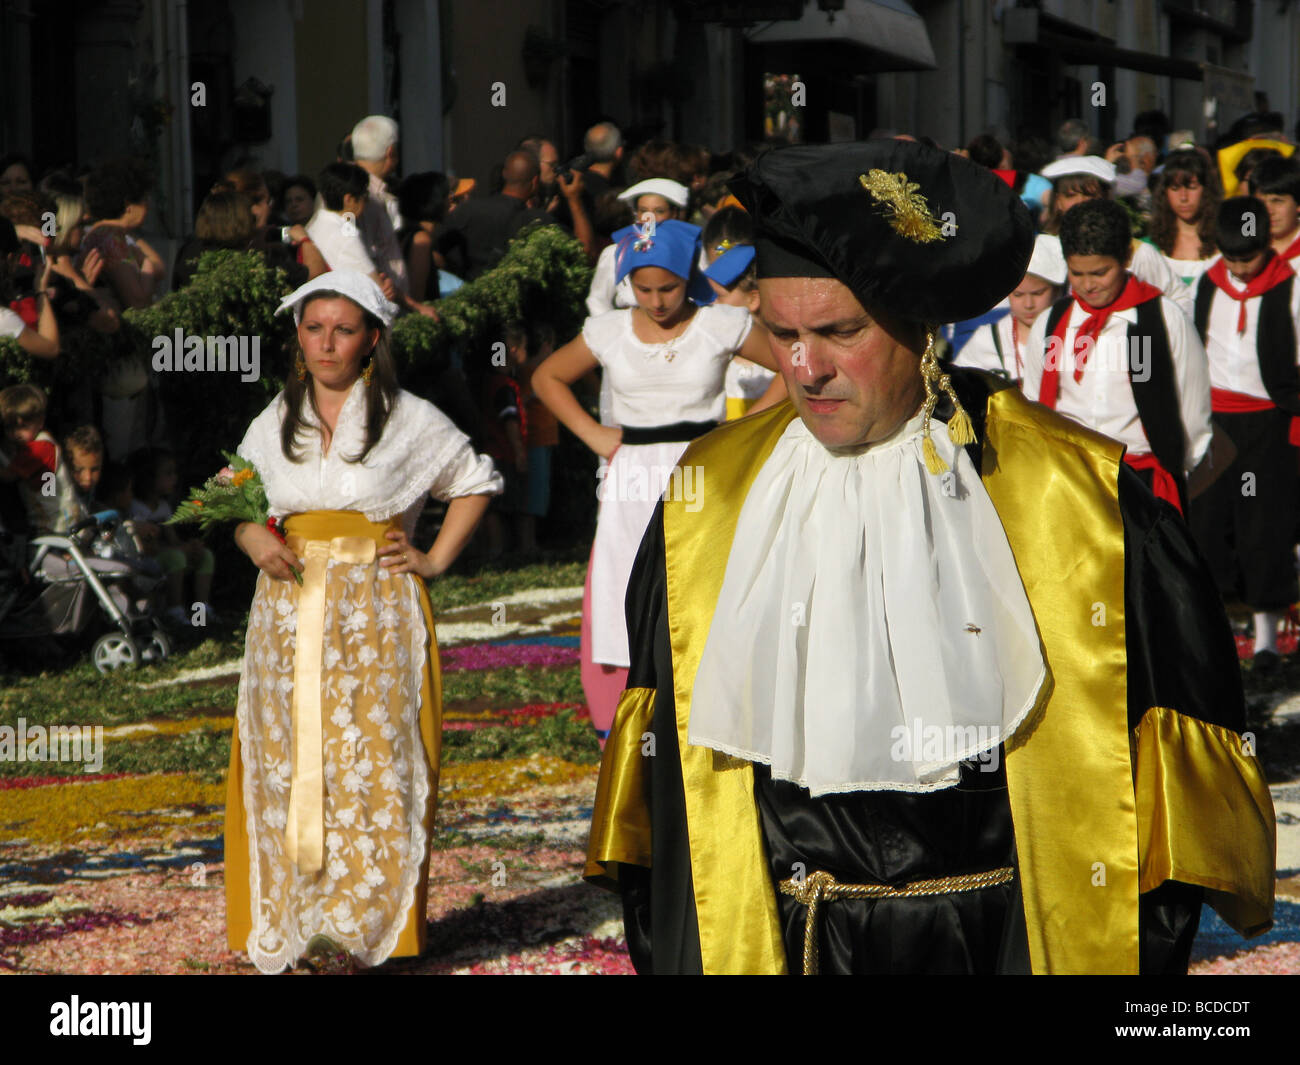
[{"x": 890, "y": 29}]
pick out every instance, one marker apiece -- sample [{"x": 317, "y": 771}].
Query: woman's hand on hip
[
  {"x": 267, "y": 552},
  {"x": 605, "y": 440},
  {"x": 401, "y": 556}
]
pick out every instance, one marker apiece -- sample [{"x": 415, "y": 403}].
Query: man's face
[
  {"x": 548, "y": 157},
  {"x": 86, "y": 468},
  {"x": 1283, "y": 214},
  {"x": 1139, "y": 155},
  {"x": 1096, "y": 279},
  {"x": 853, "y": 377}
]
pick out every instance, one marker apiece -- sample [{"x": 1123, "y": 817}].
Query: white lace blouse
[{"x": 421, "y": 451}]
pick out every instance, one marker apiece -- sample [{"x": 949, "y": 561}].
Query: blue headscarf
[
  {"x": 728, "y": 266},
  {"x": 672, "y": 245}
]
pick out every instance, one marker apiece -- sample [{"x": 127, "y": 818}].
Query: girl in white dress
[
  {"x": 666, "y": 360},
  {"x": 334, "y": 762},
  {"x": 1185, "y": 199}
]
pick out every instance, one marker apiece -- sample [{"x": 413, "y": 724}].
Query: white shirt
[
  {"x": 747, "y": 380},
  {"x": 1103, "y": 400},
  {"x": 980, "y": 353},
  {"x": 11, "y": 323},
  {"x": 339, "y": 242},
  {"x": 604, "y": 295},
  {"x": 1234, "y": 357},
  {"x": 420, "y": 452},
  {"x": 647, "y": 387}
]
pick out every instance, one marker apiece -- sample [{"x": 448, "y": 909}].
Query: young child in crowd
[
  {"x": 31, "y": 457},
  {"x": 153, "y": 480},
  {"x": 1121, "y": 358},
  {"x": 1247, "y": 305},
  {"x": 999, "y": 346},
  {"x": 83, "y": 451},
  {"x": 731, "y": 273}
]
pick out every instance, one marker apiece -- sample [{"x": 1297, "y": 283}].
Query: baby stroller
[{"x": 50, "y": 586}]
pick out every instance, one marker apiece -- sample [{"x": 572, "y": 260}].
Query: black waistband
[{"x": 665, "y": 434}]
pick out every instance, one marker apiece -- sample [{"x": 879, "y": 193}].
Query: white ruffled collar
[{"x": 872, "y": 631}]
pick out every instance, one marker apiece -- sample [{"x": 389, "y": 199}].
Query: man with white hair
[{"x": 374, "y": 148}]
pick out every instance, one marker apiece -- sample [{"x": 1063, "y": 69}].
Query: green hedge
[{"x": 544, "y": 275}]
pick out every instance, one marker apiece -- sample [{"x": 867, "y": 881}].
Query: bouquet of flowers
[{"x": 234, "y": 493}]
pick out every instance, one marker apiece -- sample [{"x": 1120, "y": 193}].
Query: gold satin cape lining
[
  {"x": 315, "y": 536},
  {"x": 1069, "y": 768}
]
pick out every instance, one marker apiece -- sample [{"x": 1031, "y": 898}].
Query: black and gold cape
[{"x": 1125, "y": 799}]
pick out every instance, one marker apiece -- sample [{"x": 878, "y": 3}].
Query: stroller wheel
[
  {"x": 115, "y": 651},
  {"x": 156, "y": 648}
]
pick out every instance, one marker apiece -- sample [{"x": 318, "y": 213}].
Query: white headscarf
[{"x": 357, "y": 287}]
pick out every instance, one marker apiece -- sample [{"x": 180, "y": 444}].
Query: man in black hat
[{"x": 908, "y": 698}]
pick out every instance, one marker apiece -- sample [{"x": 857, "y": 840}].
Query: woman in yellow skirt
[{"x": 334, "y": 762}]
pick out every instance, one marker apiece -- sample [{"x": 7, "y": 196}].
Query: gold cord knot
[
  {"x": 960, "y": 430},
  {"x": 821, "y": 886}
]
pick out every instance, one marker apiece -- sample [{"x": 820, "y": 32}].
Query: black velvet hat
[{"x": 928, "y": 235}]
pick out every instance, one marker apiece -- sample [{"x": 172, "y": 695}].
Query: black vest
[
  {"x": 1155, "y": 395},
  {"x": 1275, "y": 339}
]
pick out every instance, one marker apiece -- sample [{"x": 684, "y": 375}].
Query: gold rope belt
[
  {"x": 821, "y": 886},
  {"x": 316, "y": 537}
]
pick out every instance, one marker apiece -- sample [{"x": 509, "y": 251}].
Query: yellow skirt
[{"x": 339, "y": 828}]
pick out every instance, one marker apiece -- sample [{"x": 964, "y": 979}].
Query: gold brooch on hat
[{"x": 908, "y": 214}]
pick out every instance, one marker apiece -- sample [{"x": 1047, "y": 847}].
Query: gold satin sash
[{"x": 316, "y": 537}]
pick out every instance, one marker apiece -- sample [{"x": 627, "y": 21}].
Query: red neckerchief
[
  {"x": 1293, "y": 249},
  {"x": 1277, "y": 271},
  {"x": 1133, "y": 293}
]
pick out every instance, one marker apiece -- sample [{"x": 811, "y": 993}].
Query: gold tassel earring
[
  {"x": 300, "y": 367},
  {"x": 960, "y": 430},
  {"x": 370, "y": 368}
]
